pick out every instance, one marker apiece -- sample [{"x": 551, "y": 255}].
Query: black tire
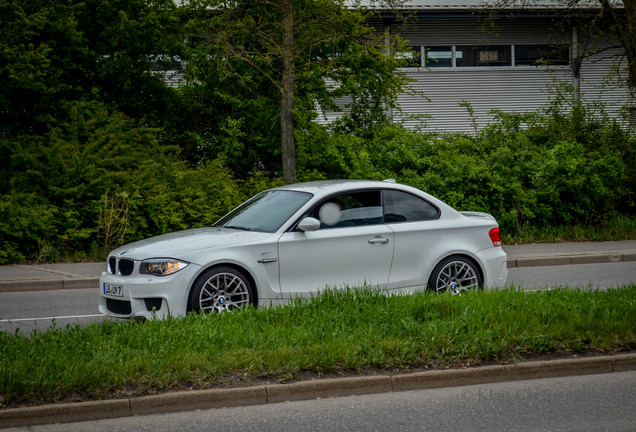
[
  {"x": 455, "y": 273},
  {"x": 219, "y": 289}
]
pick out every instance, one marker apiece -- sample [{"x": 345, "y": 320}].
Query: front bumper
[{"x": 146, "y": 296}]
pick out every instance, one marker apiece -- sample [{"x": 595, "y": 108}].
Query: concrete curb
[
  {"x": 571, "y": 259},
  {"x": 85, "y": 283},
  {"x": 48, "y": 285},
  {"x": 314, "y": 389}
]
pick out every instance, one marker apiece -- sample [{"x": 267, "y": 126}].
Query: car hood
[{"x": 176, "y": 244}]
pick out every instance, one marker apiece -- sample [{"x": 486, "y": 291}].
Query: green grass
[
  {"x": 616, "y": 228},
  {"x": 335, "y": 332}
]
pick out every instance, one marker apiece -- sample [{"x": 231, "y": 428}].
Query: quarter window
[{"x": 403, "y": 207}]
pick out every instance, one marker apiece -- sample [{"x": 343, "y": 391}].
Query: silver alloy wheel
[
  {"x": 456, "y": 276},
  {"x": 223, "y": 291}
]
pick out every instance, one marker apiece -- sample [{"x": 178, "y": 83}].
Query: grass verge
[
  {"x": 337, "y": 331},
  {"x": 616, "y": 228}
]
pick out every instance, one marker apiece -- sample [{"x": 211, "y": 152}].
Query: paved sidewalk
[
  {"x": 550, "y": 254},
  {"x": 86, "y": 275}
]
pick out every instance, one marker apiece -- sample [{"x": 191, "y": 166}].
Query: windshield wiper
[{"x": 238, "y": 227}]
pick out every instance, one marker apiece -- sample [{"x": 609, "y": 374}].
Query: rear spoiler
[{"x": 477, "y": 215}]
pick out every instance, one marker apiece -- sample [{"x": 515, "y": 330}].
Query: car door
[{"x": 351, "y": 248}]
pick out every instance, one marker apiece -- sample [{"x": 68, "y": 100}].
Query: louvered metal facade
[
  {"x": 443, "y": 91},
  {"x": 602, "y": 81},
  {"x": 436, "y": 30},
  {"x": 515, "y": 88}
]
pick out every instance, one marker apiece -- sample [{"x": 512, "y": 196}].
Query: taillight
[{"x": 495, "y": 236}]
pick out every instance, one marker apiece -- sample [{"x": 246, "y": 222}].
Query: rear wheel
[
  {"x": 220, "y": 289},
  {"x": 455, "y": 274}
]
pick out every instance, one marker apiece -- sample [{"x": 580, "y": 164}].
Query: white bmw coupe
[{"x": 296, "y": 240}]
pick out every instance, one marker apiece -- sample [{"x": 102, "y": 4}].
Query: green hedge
[
  {"x": 98, "y": 179},
  {"x": 534, "y": 169}
]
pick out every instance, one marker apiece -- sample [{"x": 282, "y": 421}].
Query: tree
[
  {"x": 52, "y": 52},
  {"x": 624, "y": 24},
  {"x": 132, "y": 43},
  {"x": 44, "y": 59},
  {"x": 314, "y": 44}
]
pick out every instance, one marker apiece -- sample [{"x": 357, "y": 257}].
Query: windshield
[{"x": 266, "y": 212}]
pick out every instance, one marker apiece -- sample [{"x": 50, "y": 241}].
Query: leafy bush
[
  {"x": 27, "y": 221},
  {"x": 97, "y": 180},
  {"x": 538, "y": 169}
]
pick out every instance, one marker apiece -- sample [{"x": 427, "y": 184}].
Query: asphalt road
[
  {"x": 601, "y": 276},
  {"x": 605, "y": 402},
  {"x": 38, "y": 309}
]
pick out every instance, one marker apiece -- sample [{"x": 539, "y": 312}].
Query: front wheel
[
  {"x": 220, "y": 289},
  {"x": 455, "y": 274}
]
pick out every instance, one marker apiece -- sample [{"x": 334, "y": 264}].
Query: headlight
[{"x": 161, "y": 266}]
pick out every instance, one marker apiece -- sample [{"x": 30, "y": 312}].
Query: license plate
[{"x": 113, "y": 290}]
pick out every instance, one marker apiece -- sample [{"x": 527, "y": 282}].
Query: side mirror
[{"x": 309, "y": 224}]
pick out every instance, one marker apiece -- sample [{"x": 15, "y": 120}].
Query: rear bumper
[{"x": 494, "y": 262}]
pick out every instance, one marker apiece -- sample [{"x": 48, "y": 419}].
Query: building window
[
  {"x": 535, "y": 55},
  {"x": 439, "y": 57},
  {"x": 500, "y": 55},
  {"x": 452, "y": 56},
  {"x": 411, "y": 58}
]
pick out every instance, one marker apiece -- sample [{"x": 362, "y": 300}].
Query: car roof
[
  {"x": 324, "y": 188},
  {"x": 329, "y": 186}
]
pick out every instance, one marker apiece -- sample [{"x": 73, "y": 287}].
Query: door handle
[{"x": 379, "y": 240}]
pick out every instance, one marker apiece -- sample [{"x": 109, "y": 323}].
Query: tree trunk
[{"x": 287, "y": 96}]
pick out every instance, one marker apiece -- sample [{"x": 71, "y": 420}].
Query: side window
[
  {"x": 403, "y": 207},
  {"x": 350, "y": 209}
]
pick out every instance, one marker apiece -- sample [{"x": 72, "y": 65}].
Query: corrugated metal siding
[
  {"x": 172, "y": 78},
  {"x": 376, "y": 23},
  {"x": 509, "y": 89},
  {"x": 599, "y": 82},
  {"x": 467, "y": 31},
  {"x": 329, "y": 116}
]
